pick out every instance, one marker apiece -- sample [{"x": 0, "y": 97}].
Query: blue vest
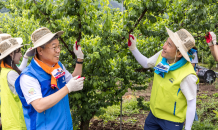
[{"x": 57, "y": 117}]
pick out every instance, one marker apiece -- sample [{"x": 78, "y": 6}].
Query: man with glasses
[{"x": 44, "y": 85}]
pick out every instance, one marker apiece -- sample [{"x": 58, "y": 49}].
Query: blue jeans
[{"x": 153, "y": 123}]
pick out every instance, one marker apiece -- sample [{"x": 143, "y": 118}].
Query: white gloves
[
  {"x": 132, "y": 42},
  {"x": 25, "y": 56},
  {"x": 213, "y": 35},
  {"x": 211, "y": 38},
  {"x": 78, "y": 52},
  {"x": 75, "y": 84}
]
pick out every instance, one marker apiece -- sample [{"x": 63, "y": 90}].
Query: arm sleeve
[
  {"x": 68, "y": 75},
  {"x": 30, "y": 87},
  {"x": 11, "y": 77},
  {"x": 189, "y": 87},
  {"x": 144, "y": 61},
  {"x": 23, "y": 64},
  {"x": 190, "y": 113}
]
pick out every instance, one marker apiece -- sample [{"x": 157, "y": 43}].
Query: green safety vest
[
  {"x": 11, "y": 112},
  {"x": 0, "y": 94},
  {"x": 167, "y": 101}
]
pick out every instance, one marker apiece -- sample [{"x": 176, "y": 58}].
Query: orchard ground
[{"x": 133, "y": 117}]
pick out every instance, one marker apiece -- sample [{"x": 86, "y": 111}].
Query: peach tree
[{"x": 109, "y": 67}]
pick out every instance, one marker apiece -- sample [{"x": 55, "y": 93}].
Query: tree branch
[
  {"x": 80, "y": 26},
  {"x": 137, "y": 22},
  {"x": 199, "y": 36},
  {"x": 42, "y": 12},
  {"x": 71, "y": 52}
]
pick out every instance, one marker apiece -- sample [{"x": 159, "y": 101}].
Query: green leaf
[
  {"x": 53, "y": 25},
  {"x": 65, "y": 2},
  {"x": 77, "y": 95}
]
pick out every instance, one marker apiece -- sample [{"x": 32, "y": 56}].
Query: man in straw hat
[
  {"x": 212, "y": 43},
  {"x": 44, "y": 85},
  {"x": 173, "y": 95},
  {"x": 11, "y": 108}
]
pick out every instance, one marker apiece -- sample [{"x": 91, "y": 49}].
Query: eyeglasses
[{"x": 55, "y": 48}]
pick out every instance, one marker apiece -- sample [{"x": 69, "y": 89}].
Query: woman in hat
[
  {"x": 173, "y": 95},
  {"x": 10, "y": 54}
]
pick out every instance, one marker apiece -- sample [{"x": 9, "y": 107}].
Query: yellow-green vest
[
  {"x": 11, "y": 112},
  {"x": 0, "y": 93},
  {"x": 167, "y": 101}
]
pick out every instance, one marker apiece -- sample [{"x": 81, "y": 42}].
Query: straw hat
[
  {"x": 4, "y": 36},
  {"x": 40, "y": 37},
  {"x": 8, "y": 45},
  {"x": 183, "y": 40}
]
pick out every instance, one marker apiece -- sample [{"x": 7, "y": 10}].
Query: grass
[
  {"x": 207, "y": 112},
  {"x": 203, "y": 96},
  {"x": 112, "y": 113},
  {"x": 131, "y": 120},
  {"x": 208, "y": 119},
  {"x": 216, "y": 84},
  {"x": 203, "y": 65},
  {"x": 215, "y": 95}
]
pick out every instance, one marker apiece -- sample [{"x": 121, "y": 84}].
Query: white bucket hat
[
  {"x": 40, "y": 37},
  {"x": 183, "y": 40},
  {"x": 4, "y": 36},
  {"x": 8, "y": 45}
]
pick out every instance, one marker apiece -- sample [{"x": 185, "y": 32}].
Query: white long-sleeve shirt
[
  {"x": 188, "y": 85},
  {"x": 13, "y": 75}
]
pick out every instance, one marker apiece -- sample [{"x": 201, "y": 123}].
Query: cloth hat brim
[
  {"x": 12, "y": 49},
  {"x": 43, "y": 41},
  {"x": 178, "y": 43}
]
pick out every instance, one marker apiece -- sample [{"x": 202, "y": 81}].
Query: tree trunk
[{"x": 84, "y": 125}]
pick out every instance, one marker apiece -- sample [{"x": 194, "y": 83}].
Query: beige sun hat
[
  {"x": 4, "y": 36},
  {"x": 40, "y": 37},
  {"x": 183, "y": 40},
  {"x": 8, "y": 45}
]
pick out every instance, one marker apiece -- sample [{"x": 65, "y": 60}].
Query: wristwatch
[{"x": 79, "y": 62}]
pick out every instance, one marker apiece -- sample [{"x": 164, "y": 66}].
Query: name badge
[
  {"x": 57, "y": 73},
  {"x": 162, "y": 68}
]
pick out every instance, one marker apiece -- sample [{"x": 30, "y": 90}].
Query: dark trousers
[{"x": 153, "y": 123}]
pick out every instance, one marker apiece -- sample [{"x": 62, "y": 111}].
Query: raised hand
[
  {"x": 78, "y": 51},
  {"x": 213, "y": 35},
  {"x": 132, "y": 42},
  {"x": 211, "y": 38},
  {"x": 25, "y": 55}
]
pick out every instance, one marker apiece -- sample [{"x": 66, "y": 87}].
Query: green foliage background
[{"x": 109, "y": 67}]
